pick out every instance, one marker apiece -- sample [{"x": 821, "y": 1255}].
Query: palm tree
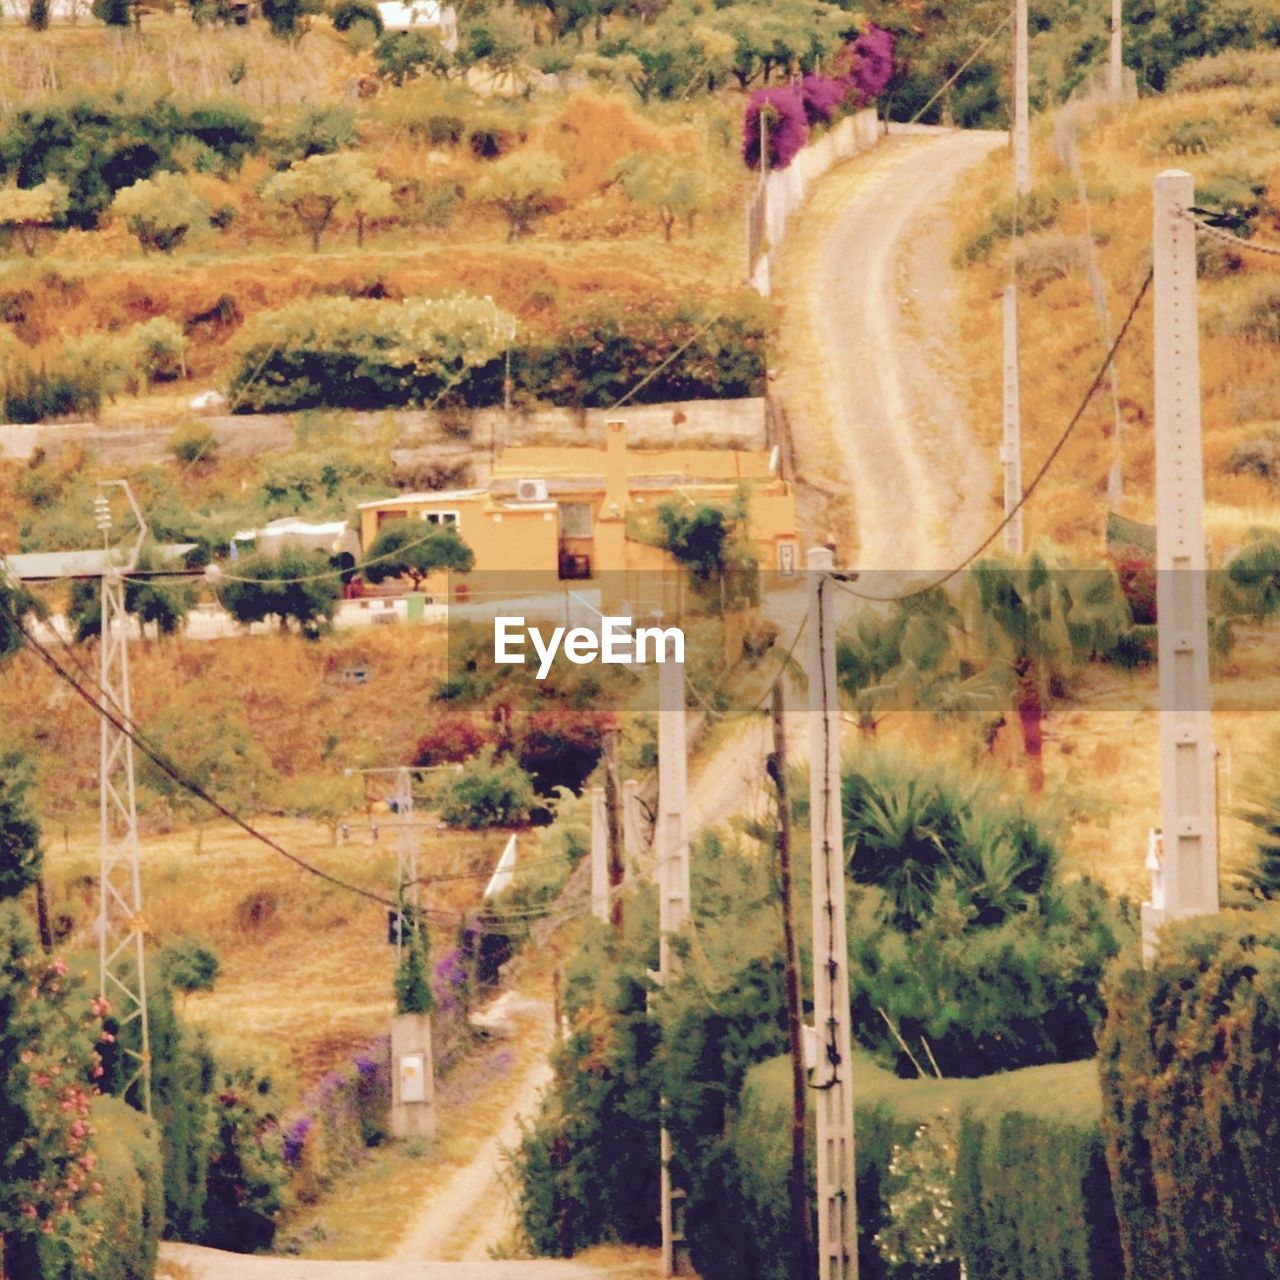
[{"x": 1035, "y": 622}]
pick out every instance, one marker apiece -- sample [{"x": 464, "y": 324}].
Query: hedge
[
  {"x": 130, "y": 1210},
  {"x": 356, "y": 354},
  {"x": 1033, "y": 1200},
  {"x": 1190, "y": 1057}
]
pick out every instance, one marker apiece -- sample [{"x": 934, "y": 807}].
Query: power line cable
[
  {"x": 843, "y": 581},
  {"x": 964, "y": 66}
]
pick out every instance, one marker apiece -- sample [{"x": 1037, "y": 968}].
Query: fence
[{"x": 782, "y": 192}]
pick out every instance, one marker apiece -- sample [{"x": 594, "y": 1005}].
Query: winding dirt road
[{"x": 867, "y": 370}]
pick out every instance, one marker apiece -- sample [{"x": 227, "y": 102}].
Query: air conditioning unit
[{"x": 531, "y": 491}]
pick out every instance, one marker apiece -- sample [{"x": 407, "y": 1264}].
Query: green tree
[
  {"x": 38, "y": 15},
  {"x": 160, "y": 211},
  {"x": 296, "y": 586},
  {"x": 661, "y": 184},
  {"x": 159, "y": 602},
  {"x": 487, "y": 793},
  {"x": 212, "y": 747},
  {"x": 115, "y": 13},
  {"x": 30, "y": 213},
  {"x": 708, "y": 541},
  {"x": 413, "y": 549},
  {"x": 285, "y": 18},
  {"x": 523, "y": 186},
  {"x": 314, "y": 189},
  {"x": 1035, "y": 623},
  {"x": 413, "y": 977},
  {"x": 322, "y": 798},
  {"x": 371, "y": 203}
]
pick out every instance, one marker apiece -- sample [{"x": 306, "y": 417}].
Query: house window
[
  {"x": 440, "y": 517},
  {"x": 575, "y": 520}
]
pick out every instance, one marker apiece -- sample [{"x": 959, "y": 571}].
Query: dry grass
[{"x": 1061, "y": 344}]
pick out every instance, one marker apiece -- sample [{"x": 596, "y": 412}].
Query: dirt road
[{"x": 866, "y": 367}]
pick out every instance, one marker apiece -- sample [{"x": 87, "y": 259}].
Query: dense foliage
[
  {"x": 1189, "y": 1072},
  {"x": 100, "y": 145},
  {"x": 354, "y": 353}
]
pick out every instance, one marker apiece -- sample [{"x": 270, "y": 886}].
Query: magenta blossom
[{"x": 786, "y": 127}]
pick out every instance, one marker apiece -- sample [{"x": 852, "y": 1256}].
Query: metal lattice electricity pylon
[{"x": 122, "y": 975}]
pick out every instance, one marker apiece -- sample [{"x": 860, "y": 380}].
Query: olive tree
[
  {"x": 160, "y": 211},
  {"x": 314, "y": 188},
  {"x": 522, "y": 187},
  {"x": 29, "y": 214}
]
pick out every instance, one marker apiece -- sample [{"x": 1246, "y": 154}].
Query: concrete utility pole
[
  {"x": 837, "y": 1203},
  {"x": 1021, "y": 103},
  {"x": 408, "y": 891},
  {"x": 599, "y": 856},
  {"x": 122, "y": 974},
  {"x": 1187, "y": 869},
  {"x": 671, "y": 846},
  {"x": 632, "y": 842},
  {"x": 1115, "y": 68},
  {"x": 1011, "y": 444}
]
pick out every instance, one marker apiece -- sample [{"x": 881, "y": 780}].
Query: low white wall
[{"x": 787, "y": 188}]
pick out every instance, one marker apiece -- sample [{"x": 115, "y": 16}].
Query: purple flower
[
  {"x": 786, "y": 127},
  {"x": 295, "y": 1140},
  {"x": 872, "y": 63},
  {"x": 823, "y": 98}
]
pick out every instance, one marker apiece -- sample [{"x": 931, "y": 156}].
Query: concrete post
[
  {"x": 1115, "y": 68},
  {"x": 833, "y": 1094},
  {"x": 671, "y": 847},
  {"x": 599, "y": 856},
  {"x": 413, "y": 1081},
  {"x": 632, "y": 840},
  {"x": 1011, "y": 444},
  {"x": 1021, "y": 104},
  {"x": 1189, "y": 855}
]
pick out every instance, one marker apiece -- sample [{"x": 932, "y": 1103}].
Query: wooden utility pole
[
  {"x": 1011, "y": 443},
  {"x": 613, "y": 828},
  {"x": 797, "y": 1181},
  {"x": 1021, "y": 103},
  {"x": 1188, "y": 861},
  {"x": 837, "y": 1202},
  {"x": 1115, "y": 68},
  {"x": 671, "y": 845}
]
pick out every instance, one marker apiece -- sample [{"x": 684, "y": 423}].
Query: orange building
[{"x": 565, "y": 513}]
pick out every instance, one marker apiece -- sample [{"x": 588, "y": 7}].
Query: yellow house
[{"x": 565, "y": 513}]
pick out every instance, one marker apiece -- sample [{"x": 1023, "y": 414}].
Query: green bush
[
  {"x": 349, "y": 12},
  {"x": 130, "y": 1210},
  {"x": 1190, "y": 1057},
  {"x": 1031, "y": 1194},
  {"x": 487, "y": 793},
  {"x": 355, "y": 353},
  {"x": 193, "y": 442},
  {"x": 1028, "y": 214},
  {"x": 36, "y": 395}
]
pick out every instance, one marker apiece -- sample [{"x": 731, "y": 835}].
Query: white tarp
[{"x": 504, "y": 874}]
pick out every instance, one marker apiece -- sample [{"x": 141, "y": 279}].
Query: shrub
[
  {"x": 823, "y": 98},
  {"x": 32, "y": 395},
  {"x": 413, "y": 977},
  {"x": 189, "y": 965},
  {"x": 1189, "y": 1056},
  {"x": 1045, "y": 259},
  {"x": 1190, "y": 137},
  {"x": 295, "y": 585},
  {"x": 451, "y": 739},
  {"x": 1028, "y": 214},
  {"x": 785, "y": 126},
  {"x": 362, "y": 353},
  {"x": 560, "y": 748},
  {"x": 130, "y": 1213},
  {"x": 488, "y": 793},
  {"x": 1235, "y": 69},
  {"x": 193, "y": 442},
  {"x": 320, "y": 131},
  {"x": 350, "y": 12}
]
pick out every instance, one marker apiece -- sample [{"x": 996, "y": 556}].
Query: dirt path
[
  {"x": 866, "y": 368},
  {"x": 472, "y": 1211}
]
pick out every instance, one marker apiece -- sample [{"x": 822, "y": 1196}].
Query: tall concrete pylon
[
  {"x": 1021, "y": 102},
  {"x": 1115, "y": 65},
  {"x": 1186, "y": 854},
  {"x": 671, "y": 848},
  {"x": 832, "y": 1086}
]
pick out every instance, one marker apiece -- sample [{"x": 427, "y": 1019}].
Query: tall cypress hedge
[
  {"x": 1191, "y": 1084},
  {"x": 1033, "y": 1200}
]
